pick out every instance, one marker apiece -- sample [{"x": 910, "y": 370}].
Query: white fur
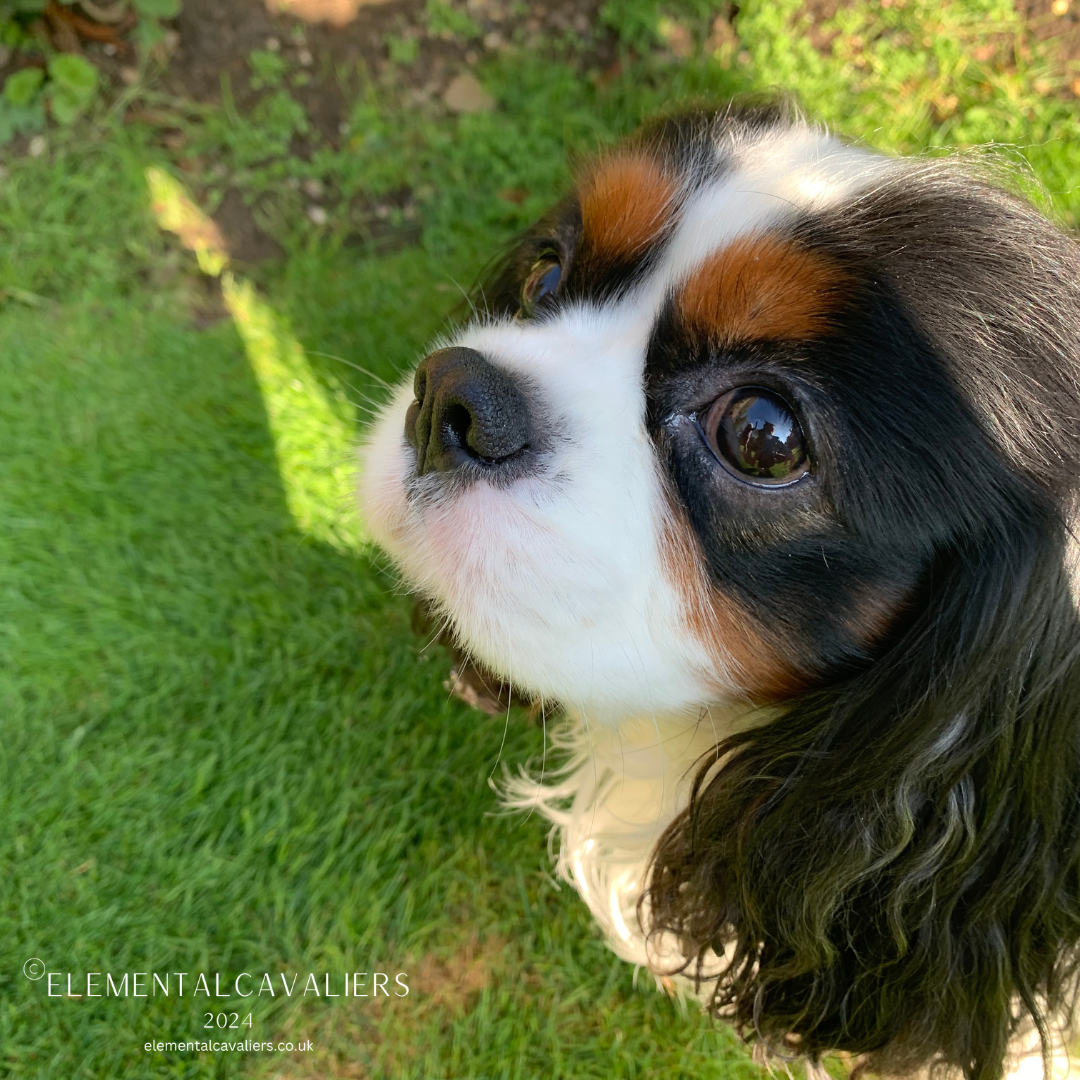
[
  {"x": 617, "y": 792},
  {"x": 557, "y": 582}
]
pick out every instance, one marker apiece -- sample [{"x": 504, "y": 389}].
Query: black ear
[{"x": 892, "y": 867}]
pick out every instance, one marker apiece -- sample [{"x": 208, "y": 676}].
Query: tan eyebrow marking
[
  {"x": 626, "y": 201},
  {"x": 763, "y": 288}
]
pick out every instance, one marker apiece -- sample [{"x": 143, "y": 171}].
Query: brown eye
[
  {"x": 755, "y": 435},
  {"x": 542, "y": 282}
]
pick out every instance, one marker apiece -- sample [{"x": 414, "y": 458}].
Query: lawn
[{"x": 224, "y": 749}]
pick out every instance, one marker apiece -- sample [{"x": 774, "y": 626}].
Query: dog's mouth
[
  {"x": 523, "y": 504},
  {"x": 469, "y": 680}
]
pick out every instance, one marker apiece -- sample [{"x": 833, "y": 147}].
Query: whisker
[
  {"x": 363, "y": 370},
  {"x": 506, "y": 722}
]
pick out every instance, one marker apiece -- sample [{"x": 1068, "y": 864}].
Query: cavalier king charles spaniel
[{"x": 759, "y": 455}]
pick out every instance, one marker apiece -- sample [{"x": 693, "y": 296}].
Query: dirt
[
  {"x": 208, "y": 46},
  {"x": 1045, "y": 20},
  {"x": 216, "y": 37},
  {"x": 205, "y": 58},
  {"x": 442, "y": 988},
  {"x": 1057, "y": 20},
  {"x": 333, "y": 38}
]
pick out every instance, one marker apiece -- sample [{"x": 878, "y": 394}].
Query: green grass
[{"x": 223, "y": 749}]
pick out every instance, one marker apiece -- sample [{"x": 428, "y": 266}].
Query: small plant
[
  {"x": 402, "y": 50},
  {"x": 66, "y": 85},
  {"x": 448, "y": 22},
  {"x": 72, "y": 87},
  {"x": 21, "y": 108},
  {"x": 642, "y": 24},
  {"x": 267, "y": 69}
]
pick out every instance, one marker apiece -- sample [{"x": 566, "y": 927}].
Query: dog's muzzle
[{"x": 467, "y": 415}]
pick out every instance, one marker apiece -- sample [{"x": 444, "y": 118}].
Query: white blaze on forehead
[
  {"x": 559, "y": 581},
  {"x": 771, "y": 180}
]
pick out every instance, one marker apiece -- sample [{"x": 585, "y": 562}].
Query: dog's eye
[
  {"x": 542, "y": 282},
  {"x": 755, "y": 435}
]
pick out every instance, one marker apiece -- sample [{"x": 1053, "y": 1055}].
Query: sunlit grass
[
  {"x": 313, "y": 441},
  {"x": 910, "y": 75},
  {"x": 314, "y": 435}
]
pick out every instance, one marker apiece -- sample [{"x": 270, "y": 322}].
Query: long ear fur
[{"x": 893, "y": 866}]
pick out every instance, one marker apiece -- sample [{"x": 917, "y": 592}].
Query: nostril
[
  {"x": 456, "y": 424},
  {"x": 461, "y": 431},
  {"x": 412, "y": 419}
]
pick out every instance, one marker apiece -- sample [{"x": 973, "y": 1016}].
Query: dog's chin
[{"x": 558, "y": 620}]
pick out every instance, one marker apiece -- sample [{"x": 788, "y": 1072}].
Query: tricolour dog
[{"x": 759, "y": 456}]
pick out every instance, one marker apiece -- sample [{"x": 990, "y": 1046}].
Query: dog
[{"x": 759, "y": 455}]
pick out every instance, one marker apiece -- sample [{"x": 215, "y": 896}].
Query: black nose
[{"x": 466, "y": 410}]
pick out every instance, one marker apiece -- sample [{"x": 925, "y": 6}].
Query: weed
[
  {"x": 446, "y": 21},
  {"x": 402, "y": 50},
  {"x": 267, "y": 68}
]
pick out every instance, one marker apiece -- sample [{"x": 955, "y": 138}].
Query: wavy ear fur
[{"x": 893, "y": 867}]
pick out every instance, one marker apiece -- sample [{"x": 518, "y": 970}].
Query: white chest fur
[{"x": 619, "y": 788}]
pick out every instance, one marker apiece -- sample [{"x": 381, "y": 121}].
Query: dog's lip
[{"x": 524, "y": 470}]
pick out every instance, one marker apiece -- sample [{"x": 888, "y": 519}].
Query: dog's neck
[{"x": 617, "y": 788}]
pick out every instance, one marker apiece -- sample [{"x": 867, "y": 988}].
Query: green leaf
[
  {"x": 65, "y": 105},
  {"x": 74, "y": 84},
  {"x": 447, "y": 22},
  {"x": 148, "y": 33},
  {"x": 267, "y": 68},
  {"x": 157, "y": 9},
  {"x": 20, "y": 119},
  {"x": 22, "y": 87},
  {"x": 402, "y": 50},
  {"x": 75, "y": 74}
]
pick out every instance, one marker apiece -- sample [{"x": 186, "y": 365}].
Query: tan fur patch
[
  {"x": 724, "y": 629},
  {"x": 762, "y": 288},
  {"x": 873, "y": 613},
  {"x": 626, "y": 200}
]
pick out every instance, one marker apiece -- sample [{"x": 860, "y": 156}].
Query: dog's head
[{"x": 757, "y": 416}]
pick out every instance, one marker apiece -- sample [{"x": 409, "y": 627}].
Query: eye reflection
[{"x": 754, "y": 433}]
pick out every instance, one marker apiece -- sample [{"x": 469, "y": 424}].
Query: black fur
[{"x": 682, "y": 143}]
